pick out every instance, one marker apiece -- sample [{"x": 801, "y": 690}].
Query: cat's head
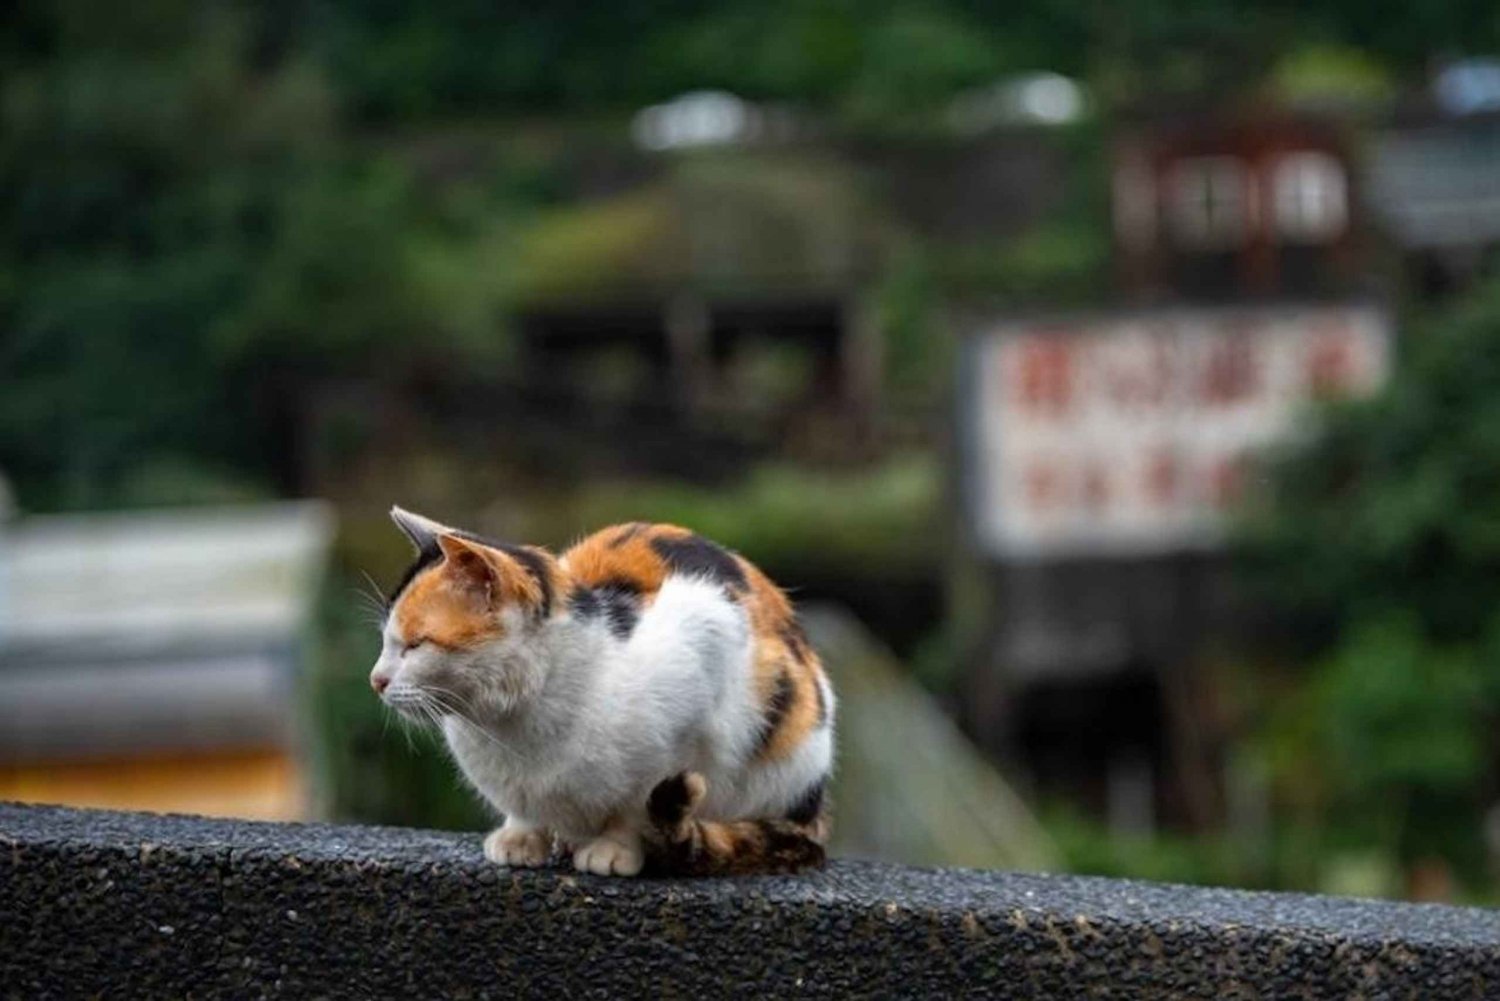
[{"x": 458, "y": 637}]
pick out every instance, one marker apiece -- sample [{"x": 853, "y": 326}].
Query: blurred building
[
  {"x": 1104, "y": 453},
  {"x": 150, "y": 660},
  {"x": 714, "y": 285},
  {"x": 1104, "y": 456},
  {"x": 1224, "y": 207}
]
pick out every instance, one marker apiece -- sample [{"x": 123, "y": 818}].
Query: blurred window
[
  {"x": 1310, "y": 194},
  {"x": 1210, "y": 202}
]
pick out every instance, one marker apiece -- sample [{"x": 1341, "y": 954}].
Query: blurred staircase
[{"x": 909, "y": 787}]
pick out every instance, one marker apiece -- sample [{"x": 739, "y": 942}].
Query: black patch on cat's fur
[
  {"x": 535, "y": 564},
  {"x": 617, "y": 601},
  {"x": 795, "y": 640},
  {"x": 426, "y": 557},
  {"x": 776, "y": 710},
  {"x": 668, "y": 803},
  {"x": 807, "y": 808},
  {"x": 630, "y": 531},
  {"x": 789, "y": 851},
  {"x": 695, "y": 556},
  {"x": 584, "y": 602}
]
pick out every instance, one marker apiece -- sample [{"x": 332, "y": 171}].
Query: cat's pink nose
[{"x": 380, "y": 683}]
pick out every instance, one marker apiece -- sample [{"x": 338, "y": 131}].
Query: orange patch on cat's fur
[
  {"x": 801, "y": 713},
  {"x": 453, "y": 604},
  {"x": 772, "y": 619},
  {"x": 435, "y": 609},
  {"x": 770, "y": 609},
  {"x": 623, "y": 555}
]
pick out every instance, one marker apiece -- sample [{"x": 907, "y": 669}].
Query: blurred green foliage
[
  {"x": 185, "y": 238},
  {"x": 875, "y": 521},
  {"x": 1332, "y": 74},
  {"x": 873, "y": 62},
  {"x": 1380, "y": 538},
  {"x": 878, "y": 520},
  {"x": 1087, "y": 846},
  {"x": 713, "y": 222},
  {"x": 208, "y": 206}
]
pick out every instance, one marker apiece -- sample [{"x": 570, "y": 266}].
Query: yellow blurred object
[
  {"x": 253, "y": 784},
  {"x": 149, "y": 659}
]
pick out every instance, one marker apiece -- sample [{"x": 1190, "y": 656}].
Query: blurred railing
[{"x": 136, "y": 905}]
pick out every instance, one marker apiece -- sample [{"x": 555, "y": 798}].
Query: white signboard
[{"x": 1129, "y": 435}]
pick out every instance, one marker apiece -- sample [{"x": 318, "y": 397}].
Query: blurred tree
[
  {"x": 409, "y": 61},
  {"x": 183, "y": 239},
  {"x": 190, "y": 231},
  {"x": 1381, "y": 543},
  {"x": 874, "y": 61}
]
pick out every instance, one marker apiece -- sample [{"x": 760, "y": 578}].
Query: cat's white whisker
[{"x": 465, "y": 719}]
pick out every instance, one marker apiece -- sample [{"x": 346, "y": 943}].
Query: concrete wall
[{"x": 139, "y": 906}]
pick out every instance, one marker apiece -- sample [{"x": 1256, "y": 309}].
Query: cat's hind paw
[{"x": 673, "y": 802}]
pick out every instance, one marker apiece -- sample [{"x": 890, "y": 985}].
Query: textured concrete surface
[{"x": 139, "y": 906}]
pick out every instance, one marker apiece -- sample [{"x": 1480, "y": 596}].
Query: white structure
[
  {"x": 160, "y": 631},
  {"x": 1128, "y": 435}
]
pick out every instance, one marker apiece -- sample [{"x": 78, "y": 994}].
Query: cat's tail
[{"x": 678, "y": 844}]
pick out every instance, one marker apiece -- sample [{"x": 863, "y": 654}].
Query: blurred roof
[
  {"x": 151, "y": 630},
  {"x": 742, "y": 224},
  {"x": 1437, "y": 184}
]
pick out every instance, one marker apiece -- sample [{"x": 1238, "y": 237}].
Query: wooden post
[
  {"x": 861, "y": 364},
  {"x": 688, "y": 326}
]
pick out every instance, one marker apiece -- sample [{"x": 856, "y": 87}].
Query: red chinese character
[
  {"x": 1044, "y": 378},
  {"x": 1231, "y": 373},
  {"x": 1044, "y": 485},
  {"x": 1096, "y": 488},
  {"x": 1330, "y": 365},
  {"x": 1138, "y": 376},
  {"x": 1162, "y": 477}
]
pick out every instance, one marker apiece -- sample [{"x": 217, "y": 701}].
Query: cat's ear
[
  {"x": 469, "y": 565},
  {"x": 423, "y": 532}
]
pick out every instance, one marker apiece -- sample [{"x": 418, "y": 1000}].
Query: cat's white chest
[
  {"x": 496, "y": 771},
  {"x": 515, "y": 782}
]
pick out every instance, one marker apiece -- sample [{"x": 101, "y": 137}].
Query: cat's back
[
  {"x": 639, "y": 557},
  {"x": 618, "y": 574},
  {"x": 635, "y": 561}
]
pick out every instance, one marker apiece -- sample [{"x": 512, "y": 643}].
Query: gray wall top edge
[{"x": 992, "y": 898}]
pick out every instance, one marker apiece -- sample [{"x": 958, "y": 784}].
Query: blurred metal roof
[
  {"x": 717, "y": 225},
  {"x": 1438, "y": 185},
  {"x": 154, "y": 630}
]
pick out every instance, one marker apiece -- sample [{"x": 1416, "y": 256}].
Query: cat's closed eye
[{"x": 414, "y": 644}]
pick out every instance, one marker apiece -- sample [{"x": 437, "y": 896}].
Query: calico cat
[{"x": 646, "y": 698}]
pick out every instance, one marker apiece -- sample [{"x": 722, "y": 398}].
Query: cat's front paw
[
  {"x": 606, "y": 856},
  {"x": 518, "y": 846}
]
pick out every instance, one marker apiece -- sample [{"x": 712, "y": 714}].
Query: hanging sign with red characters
[{"x": 1130, "y": 435}]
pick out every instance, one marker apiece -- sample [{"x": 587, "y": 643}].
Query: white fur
[{"x": 571, "y": 728}]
